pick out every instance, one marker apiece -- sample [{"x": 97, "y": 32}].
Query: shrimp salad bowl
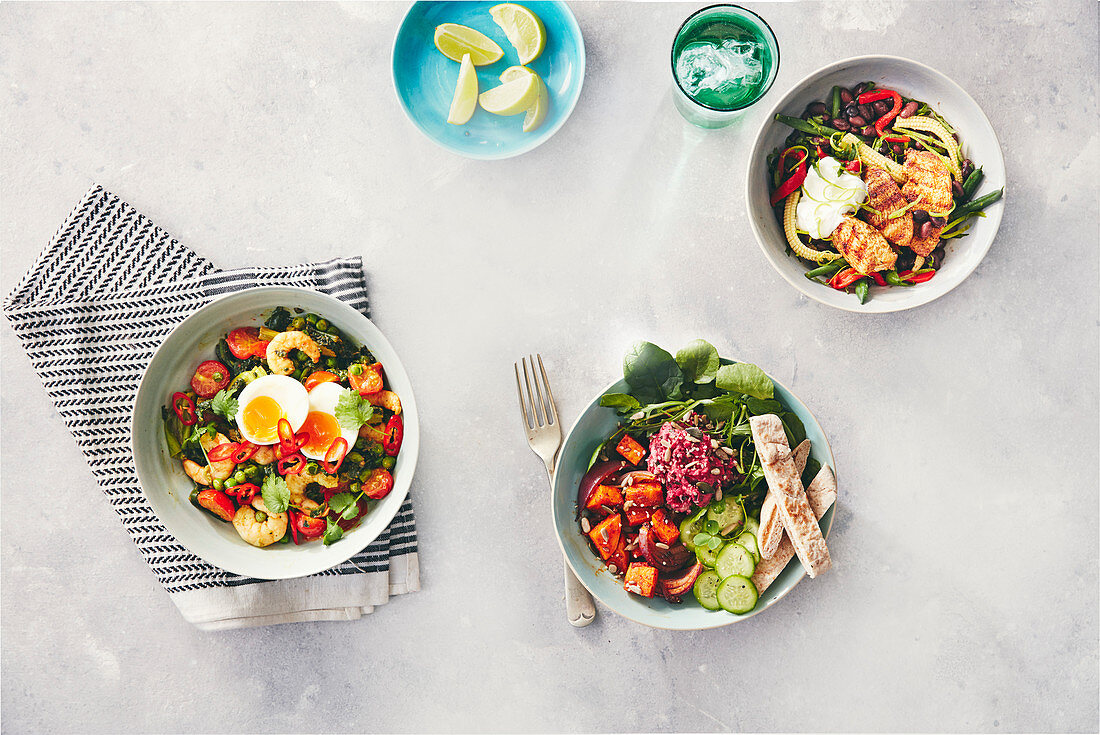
[{"x": 275, "y": 432}]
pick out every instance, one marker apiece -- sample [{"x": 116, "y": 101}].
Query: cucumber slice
[
  {"x": 726, "y": 513},
  {"x": 748, "y": 540},
  {"x": 690, "y": 526},
  {"x": 706, "y": 589},
  {"x": 734, "y": 561},
  {"x": 752, "y": 526},
  {"x": 737, "y": 595},
  {"x": 707, "y": 556}
]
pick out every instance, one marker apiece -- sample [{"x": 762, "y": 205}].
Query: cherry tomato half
[
  {"x": 378, "y": 485},
  {"x": 245, "y": 342},
  {"x": 309, "y": 527},
  {"x": 321, "y": 376},
  {"x": 209, "y": 378},
  {"x": 218, "y": 503},
  {"x": 367, "y": 382}
]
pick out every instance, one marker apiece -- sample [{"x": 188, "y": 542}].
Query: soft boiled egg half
[
  {"x": 266, "y": 400},
  {"x": 321, "y": 423}
]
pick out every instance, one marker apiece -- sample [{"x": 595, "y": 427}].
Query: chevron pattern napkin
[{"x": 90, "y": 313}]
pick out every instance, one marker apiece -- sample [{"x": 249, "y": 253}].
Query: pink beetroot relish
[{"x": 688, "y": 462}]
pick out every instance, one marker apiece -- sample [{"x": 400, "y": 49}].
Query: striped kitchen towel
[{"x": 90, "y": 314}]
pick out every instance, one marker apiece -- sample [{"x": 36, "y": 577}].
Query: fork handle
[{"x": 579, "y": 606}]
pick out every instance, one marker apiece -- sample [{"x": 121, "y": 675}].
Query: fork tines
[{"x": 540, "y": 412}]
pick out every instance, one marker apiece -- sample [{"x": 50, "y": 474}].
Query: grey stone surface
[{"x": 964, "y": 594}]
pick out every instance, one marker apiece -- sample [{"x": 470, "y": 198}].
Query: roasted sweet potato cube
[
  {"x": 632, "y": 450},
  {"x": 646, "y": 494},
  {"x": 619, "y": 558},
  {"x": 636, "y": 515},
  {"x": 666, "y": 531},
  {"x": 607, "y": 535},
  {"x": 608, "y": 495},
  {"x": 641, "y": 579}
]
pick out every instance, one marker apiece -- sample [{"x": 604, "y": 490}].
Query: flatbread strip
[
  {"x": 821, "y": 494},
  {"x": 783, "y": 480},
  {"x": 771, "y": 526}
]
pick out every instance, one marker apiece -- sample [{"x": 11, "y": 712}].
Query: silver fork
[{"x": 540, "y": 421}]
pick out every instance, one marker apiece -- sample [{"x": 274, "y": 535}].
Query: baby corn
[
  {"x": 873, "y": 158},
  {"x": 790, "y": 228},
  {"x": 936, "y": 128}
]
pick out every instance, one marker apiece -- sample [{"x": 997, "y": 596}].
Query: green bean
[
  {"x": 862, "y": 288},
  {"x": 828, "y": 269},
  {"x": 330, "y": 362},
  {"x": 804, "y": 126},
  {"x": 834, "y": 105},
  {"x": 322, "y": 325},
  {"x": 979, "y": 204},
  {"x": 365, "y": 475},
  {"x": 894, "y": 279},
  {"x": 261, "y": 516},
  {"x": 297, "y": 323},
  {"x": 312, "y": 318},
  {"x": 355, "y": 458},
  {"x": 971, "y": 183},
  {"x": 252, "y": 470},
  {"x": 388, "y": 463},
  {"x": 286, "y": 538}
]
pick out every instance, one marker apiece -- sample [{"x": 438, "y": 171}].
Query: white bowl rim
[
  {"x": 410, "y": 441},
  {"x": 494, "y": 156},
  {"x": 921, "y": 295},
  {"x": 723, "y": 620}
]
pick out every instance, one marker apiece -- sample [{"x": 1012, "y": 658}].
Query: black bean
[
  {"x": 884, "y": 149},
  {"x": 851, "y": 109},
  {"x": 909, "y": 110},
  {"x": 920, "y": 215},
  {"x": 845, "y": 95},
  {"x": 816, "y": 108},
  {"x": 967, "y": 169},
  {"x": 859, "y": 89},
  {"x": 897, "y": 149},
  {"x": 926, "y": 230},
  {"x": 956, "y": 189},
  {"x": 881, "y": 107},
  {"x": 867, "y": 111},
  {"x": 869, "y": 131},
  {"x": 856, "y": 121},
  {"x": 841, "y": 125},
  {"x": 938, "y": 221}
]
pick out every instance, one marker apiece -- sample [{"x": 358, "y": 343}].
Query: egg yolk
[
  {"x": 323, "y": 430},
  {"x": 261, "y": 418}
]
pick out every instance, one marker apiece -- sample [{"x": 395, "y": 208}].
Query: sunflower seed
[
  {"x": 716, "y": 471},
  {"x": 718, "y": 494},
  {"x": 694, "y": 432},
  {"x": 628, "y": 504},
  {"x": 612, "y": 568},
  {"x": 730, "y": 528},
  {"x": 607, "y": 509},
  {"x": 668, "y": 454},
  {"x": 628, "y": 480},
  {"x": 639, "y": 415},
  {"x": 728, "y": 450},
  {"x": 661, "y": 545},
  {"x": 713, "y": 443},
  {"x": 585, "y": 525}
]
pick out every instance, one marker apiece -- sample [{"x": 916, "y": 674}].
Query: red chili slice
[
  {"x": 293, "y": 526},
  {"x": 292, "y": 464},
  {"x": 245, "y": 493},
  {"x": 223, "y": 452},
  {"x": 184, "y": 408},
  {"x": 334, "y": 457},
  {"x": 395, "y": 432},
  {"x": 209, "y": 378},
  {"x": 286, "y": 437},
  {"x": 244, "y": 452}
]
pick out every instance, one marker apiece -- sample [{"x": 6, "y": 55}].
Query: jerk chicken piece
[
  {"x": 929, "y": 188},
  {"x": 863, "y": 246},
  {"x": 885, "y": 197}
]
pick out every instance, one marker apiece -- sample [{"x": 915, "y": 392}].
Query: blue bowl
[
  {"x": 594, "y": 425},
  {"x": 425, "y": 79}
]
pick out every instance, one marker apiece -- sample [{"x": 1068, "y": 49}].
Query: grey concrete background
[{"x": 964, "y": 595}]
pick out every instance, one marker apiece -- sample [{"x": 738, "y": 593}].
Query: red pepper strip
[
  {"x": 881, "y": 94},
  {"x": 334, "y": 457},
  {"x": 845, "y": 278},
  {"x": 185, "y": 413},
  {"x": 896, "y": 138},
  {"x": 877, "y": 278},
  {"x": 794, "y": 181},
  {"x": 293, "y": 527},
  {"x": 223, "y": 452},
  {"x": 852, "y": 166},
  {"x": 920, "y": 277},
  {"x": 244, "y": 452},
  {"x": 395, "y": 432},
  {"x": 292, "y": 464}
]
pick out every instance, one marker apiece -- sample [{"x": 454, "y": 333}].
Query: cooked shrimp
[
  {"x": 278, "y": 351},
  {"x": 265, "y": 455},
  {"x": 257, "y": 526},
  {"x": 387, "y": 399},
  {"x": 205, "y": 475},
  {"x": 298, "y": 483}
]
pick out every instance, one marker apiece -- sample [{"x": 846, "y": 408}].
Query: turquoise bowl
[
  {"x": 594, "y": 425},
  {"x": 425, "y": 79}
]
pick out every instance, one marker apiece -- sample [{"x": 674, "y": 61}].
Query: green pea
[
  {"x": 239, "y": 477},
  {"x": 388, "y": 462},
  {"x": 311, "y": 318},
  {"x": 365, "y": 475},
  {"x": 356, "y": 369},
  {"x": 313, "y": 468},
  {"x": 252, "y": 470},
  {"x": 261, "y": 516},
  {"x": 217, "y": 484},
  {"x": 355, "y": 458},
  {"x": 322, "y": 325},
  {"x": 361, "y": 442},
  {"x": 297, "y": 323},
  {"x": 330, "y": 362},
  {"x": 355, "y": 486},
  {"x": 334, "y": 331}
]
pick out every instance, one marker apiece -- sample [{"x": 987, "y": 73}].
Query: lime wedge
[
  {"x": 536, "y": 113},
  {"x": 455, "y": 41},
  {"x": 523, "y": 28},
  {"x": 511, "y": 98},
  {"x": 465, "y": 99}
]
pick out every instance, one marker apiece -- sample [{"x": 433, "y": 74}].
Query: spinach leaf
[
  {"x": 793, "y": 427},
  {"x": 622, "y": 402},
  {"x": 812, "y": 468},
  {"x": 761, "y": 407},
  {"x": 744, "y": 377},
  {"x": 720, "y": 409},
  {"x": 652, "y": 373},
  {"x": 279, "y": 319},
  {"x": 698, "y": 361}
]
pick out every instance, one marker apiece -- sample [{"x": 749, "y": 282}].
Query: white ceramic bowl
[
  {"x": 168, "y": 488},
  {"x": 912, "y": 79}
]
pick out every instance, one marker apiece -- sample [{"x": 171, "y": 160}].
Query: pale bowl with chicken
[{"x": 875, "y": 245}]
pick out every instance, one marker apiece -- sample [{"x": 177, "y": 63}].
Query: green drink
[{"x": 724, "y": 59}]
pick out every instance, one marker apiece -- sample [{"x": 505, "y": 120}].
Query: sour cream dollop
[{"x": 828, "y": 194}]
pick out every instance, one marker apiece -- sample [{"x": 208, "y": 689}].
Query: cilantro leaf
[
  {"x": 276, "y": 494},
  {"x": 224, "y": 404},
  {"x": 341, "y": 501},
  {"x": 333, "y": 533},
  {"x": 352, "y": 410}
]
